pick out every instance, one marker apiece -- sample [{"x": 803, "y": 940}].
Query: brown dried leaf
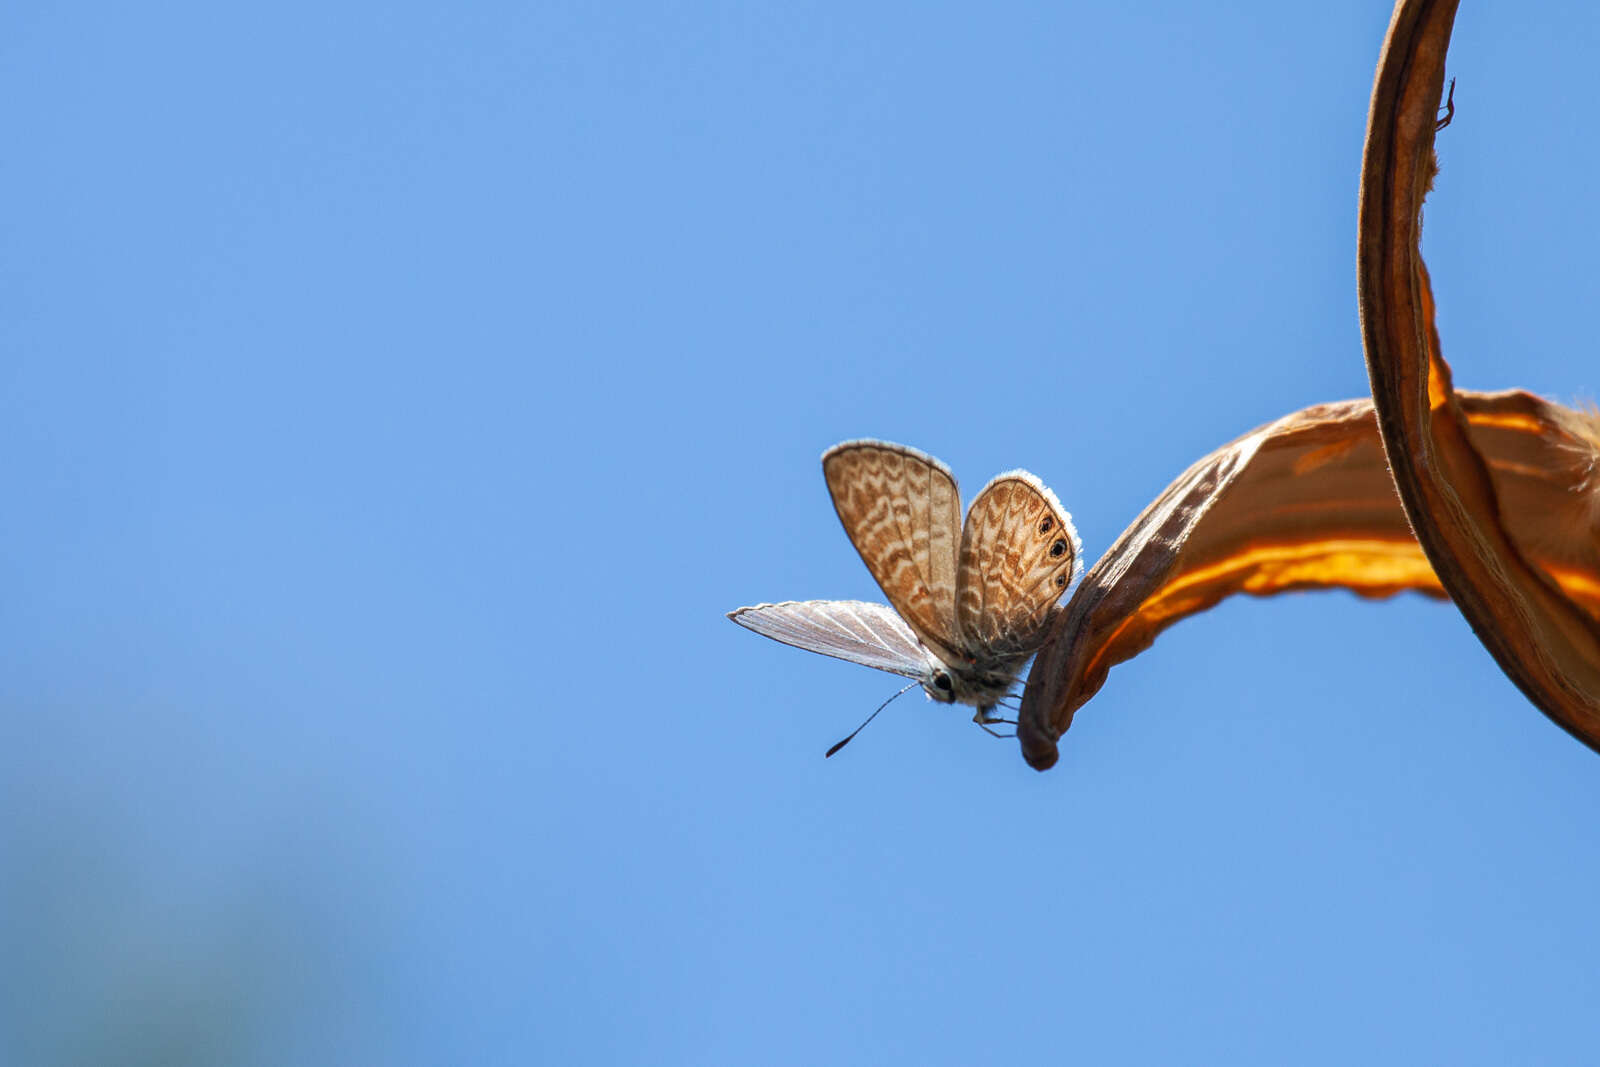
[
  {"x": 1501, "y": 489},
  {"x": 1543, "y": 635},
  {"x": 1307, "y": 502}
]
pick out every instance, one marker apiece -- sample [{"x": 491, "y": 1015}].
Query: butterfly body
[
  {"x": 980, "y": 685},
  {"x": 969, "y": 603}
]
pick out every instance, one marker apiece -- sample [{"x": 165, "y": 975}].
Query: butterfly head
[{"x": 980, "y": 688}]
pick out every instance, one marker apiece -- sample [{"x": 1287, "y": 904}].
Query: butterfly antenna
[{"x": 869, "y": 718}]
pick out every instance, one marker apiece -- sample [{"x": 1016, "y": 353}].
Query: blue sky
[{"x": 396, "y": 396}]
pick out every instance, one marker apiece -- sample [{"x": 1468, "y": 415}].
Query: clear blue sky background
[{"x": 395, "y": 397}]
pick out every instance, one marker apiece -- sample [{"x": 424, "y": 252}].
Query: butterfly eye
[
  {"x": 942, "y": 682},
  {"x": 1046, "y": 524},
  {"x": 1058, "y": 548}
]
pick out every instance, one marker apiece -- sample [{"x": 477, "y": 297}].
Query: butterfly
[{"x": 968, "y": 604}]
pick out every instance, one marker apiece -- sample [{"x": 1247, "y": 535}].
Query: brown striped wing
[
  {"x": 902, "y": 511},
  {"x": 1019, "y": 554}
]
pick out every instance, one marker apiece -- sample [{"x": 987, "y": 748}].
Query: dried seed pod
[
  {"x": 1307, "y": 502},
  {"x": 1501, "y": 489},
  {"x": 1543, "y": 636}
]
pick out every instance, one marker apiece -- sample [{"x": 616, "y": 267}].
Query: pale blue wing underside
[{"x": 855, "y": 630}]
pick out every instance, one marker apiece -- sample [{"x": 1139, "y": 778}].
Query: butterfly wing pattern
[
  {"x": 1019, "y": 553},
  {"x": 967, "y": 605},
  {"x": 902, "y": 511}
]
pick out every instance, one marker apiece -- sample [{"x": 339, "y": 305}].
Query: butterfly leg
[{"x": 985, "y": 720}]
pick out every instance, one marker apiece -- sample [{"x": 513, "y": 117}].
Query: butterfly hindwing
[
  {"x": 1019, "y": 554},
  {"x": 869, "y": 634},
  {"x": 902, "y": 511}
]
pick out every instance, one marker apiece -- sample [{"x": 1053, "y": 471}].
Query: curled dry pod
[
  {"x": 1544, "y": 637},
  {"x": 1306, "y": 502},
  {"x": 1500, "y": 489}
]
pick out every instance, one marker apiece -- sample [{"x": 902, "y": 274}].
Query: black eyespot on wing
[
  {"x": 941, "y": 681},
  {"x": 1061, "y": 581},
  {"x": 1046, "y": 524},
  {"x": 1057, "y": 549}
]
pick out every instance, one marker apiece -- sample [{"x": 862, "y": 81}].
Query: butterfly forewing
[
  {"x": 1019, "y": 553},
  {"x": 854, "y": 630},
  {"x": 902, "y": 511}
]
